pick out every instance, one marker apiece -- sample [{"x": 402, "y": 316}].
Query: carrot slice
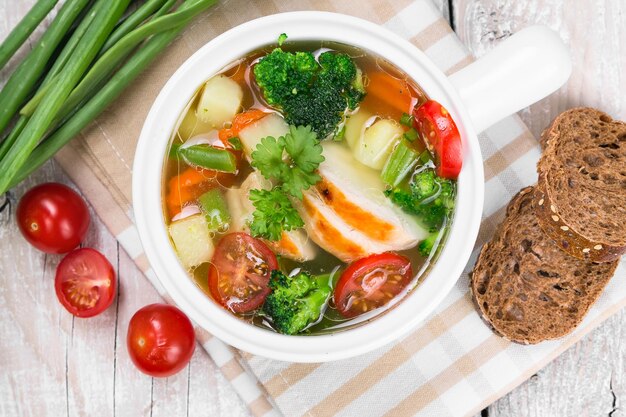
[
  {"x": 240, "y": 121},
  {"x": 187, "y": 186},
  {"x": 390, "y": 90}
]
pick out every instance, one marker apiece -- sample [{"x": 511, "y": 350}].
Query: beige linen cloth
[{"x": 452, "y": 365}]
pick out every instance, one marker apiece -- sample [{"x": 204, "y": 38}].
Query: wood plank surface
[
  {"x": 55, "y": 365},
  {"x": 590, "y": 378}
]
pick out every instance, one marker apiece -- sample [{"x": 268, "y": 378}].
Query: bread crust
[
  {"x": 581, "y": 194},
  {"x": 525, "y": 286},
  {"x": 564, "y": 235}
]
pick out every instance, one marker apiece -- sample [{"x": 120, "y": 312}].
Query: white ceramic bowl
[{"x": 481, "y": 94}]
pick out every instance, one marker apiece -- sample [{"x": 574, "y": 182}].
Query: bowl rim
[{"x": 146, "y": 193}]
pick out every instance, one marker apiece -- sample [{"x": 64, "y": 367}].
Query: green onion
[
  {"x": 134, "y": 20},
  {"x": 22, "y": 81},
  {"x": 400, "y": 163},
  {"x": 411, "y": 135},
  {"x": 24, "y": 29},
  {"x": 406, "y": 120},
  {"x": 60, "y": 62},
  {"x": 425, "y": 157},
  {"x": 83, "y": 114},
  {"x": 215, "y": 209},
  {"x": 107, "y": 64},
  {"x": 39, "y": 123},
  {"x": 208, "y": 157}
]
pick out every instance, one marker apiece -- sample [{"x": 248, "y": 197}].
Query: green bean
[
  {"x": 23, "y": 30},
  {"x": 134, "y": 20},
  {"x": 101, "y": 99},
  {"x": 60, "y": 62},
  {"x": 22, "y": 81},
  {"x": 205, "y": 156},
  {"x": 40, "y": 122}
]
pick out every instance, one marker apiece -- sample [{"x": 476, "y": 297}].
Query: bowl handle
[{"x": 520, "y": 71}]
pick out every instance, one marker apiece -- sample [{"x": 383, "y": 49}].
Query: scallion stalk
[
  {"x": 400, "y": 163},
  {"x": 60, "y": 62},
  {"x": 23, "y": 80},
  {"x": 52, "y": 102},
  {"x": 24, "y": 29},
  {"x": 107, "y": 64},
  {"x": 84, "y": 114},
  {"x": 135, "y": 19}
]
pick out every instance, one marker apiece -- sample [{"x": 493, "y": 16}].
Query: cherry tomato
[
  {"x": 442, "y": 137},
  {"x": 85, "y": 282},
  {"x": 160, "y": 340},
  {"x": 53, "y": 218},
  {"x": 240, "y": 271},
  {"x": 371, "y": 282}
]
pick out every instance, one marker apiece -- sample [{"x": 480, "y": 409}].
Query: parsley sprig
[
  {"x": 291, "y": 161},
  {"x": 274, "y": 214}
]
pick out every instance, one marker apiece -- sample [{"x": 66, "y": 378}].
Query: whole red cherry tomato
[
  {"x": 160, "y": 340},
  {"x": 53, "y": 218}
]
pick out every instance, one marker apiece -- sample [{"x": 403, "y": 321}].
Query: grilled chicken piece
[
  {"x": 293, "y": 244},
  {"x": 348, "y": 215}
]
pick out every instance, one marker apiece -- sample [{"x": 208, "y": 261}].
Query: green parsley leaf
[
  {"x": 290, "y": 160},
  {"x": 305, "y": 154},
  {"x": 268, "y": 157},
  {"x": 274, "y": 214}
]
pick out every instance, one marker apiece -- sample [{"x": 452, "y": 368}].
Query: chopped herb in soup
[{"x": 308, "y": 186}]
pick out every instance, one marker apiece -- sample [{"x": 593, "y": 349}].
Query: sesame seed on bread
[
  {"x": 525, "y": 286},
  {"x": 581, "y": 198}
]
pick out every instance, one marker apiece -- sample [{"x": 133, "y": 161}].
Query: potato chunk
[
  {"x": 219, "y": 102},
  {"x": 192, "y": 240}
]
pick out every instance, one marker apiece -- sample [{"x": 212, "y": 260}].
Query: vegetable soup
[{"x": 309, "y": 186}]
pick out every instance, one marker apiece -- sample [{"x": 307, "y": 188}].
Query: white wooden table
[{"x": 52, "y": 364}]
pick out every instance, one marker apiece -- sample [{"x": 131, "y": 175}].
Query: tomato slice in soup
[
  {"x": 371, "y": 282},
  {"x": 442, "y": 137},
  {"x": 240, "y": 271}
]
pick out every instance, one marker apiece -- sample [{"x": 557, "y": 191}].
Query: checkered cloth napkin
[{"x": 452, "y": 365}]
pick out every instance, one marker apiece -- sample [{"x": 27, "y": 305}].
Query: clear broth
[{"x": 240, "y": 71}]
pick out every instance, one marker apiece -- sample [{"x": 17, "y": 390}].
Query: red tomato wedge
[
  {"x": 85, "y": 282},
  {"x": 53, "y": 218},
  {"x": 371, "y": 282},
  {"x": 240, "y": 271},
  {"x": 442, "y": 137},
  {"x": 160, "y": 340}
]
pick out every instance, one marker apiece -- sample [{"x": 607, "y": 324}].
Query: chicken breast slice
[
  {"x": 294, "y": 244},
  {"x": 347, "y": 213}
]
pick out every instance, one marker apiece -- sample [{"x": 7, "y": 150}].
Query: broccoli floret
[
  {"x": 309, "y": 92},
  {"x": 295, "y": 302},
  {"x": 426, "y": 246},
  {"x": 428, "y": 196}
]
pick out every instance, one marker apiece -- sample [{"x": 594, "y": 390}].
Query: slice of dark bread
[
  {"x": 527, "y": 288},
  {"x": 581, "y": 200}
]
